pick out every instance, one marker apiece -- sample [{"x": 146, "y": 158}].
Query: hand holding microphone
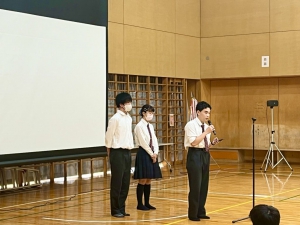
[
  {"x": 216, "y": 140},
  {"x": 214, "y": 131}
]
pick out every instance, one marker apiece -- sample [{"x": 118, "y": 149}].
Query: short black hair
[
  {"x": 146, "y": 108},
  {"x": 264, "y": 215},
  {"x": 123, "y": 98},
  {"x": 202, "y": 105}
]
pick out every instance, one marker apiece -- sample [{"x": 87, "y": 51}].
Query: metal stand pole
[
  {"x": 270, "y": 152},
  {"x": 253, "y": 173}
]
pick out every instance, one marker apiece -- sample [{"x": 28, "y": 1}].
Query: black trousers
[
  {"x": 197, "y": 166},
  {"x": 120, "y": 162}
]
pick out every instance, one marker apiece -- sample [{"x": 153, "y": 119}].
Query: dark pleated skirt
[{"x": 144, "y": 166}]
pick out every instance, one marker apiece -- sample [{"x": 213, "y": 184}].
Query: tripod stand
[
  {"x": 270, "y": 152},
  {"x": 253, "y": 173}
]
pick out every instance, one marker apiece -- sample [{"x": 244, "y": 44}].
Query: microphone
[{"x": 214, "y": 131}]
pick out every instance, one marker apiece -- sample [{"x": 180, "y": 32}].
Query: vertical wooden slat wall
[{"x": 166, "y": 95}]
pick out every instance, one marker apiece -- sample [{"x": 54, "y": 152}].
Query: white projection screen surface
[{"x": 52, "y": 84}]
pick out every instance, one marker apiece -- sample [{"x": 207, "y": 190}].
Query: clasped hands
[{"x": 154, "y": 158}]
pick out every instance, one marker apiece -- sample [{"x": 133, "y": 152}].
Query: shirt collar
[
  {"x": 144, "y": 122},
  {"x": 199, "y": 122},
  {"x": 122, "y": 113}
]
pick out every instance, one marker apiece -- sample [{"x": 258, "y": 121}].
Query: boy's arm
[{"x": 109, "y": 135}]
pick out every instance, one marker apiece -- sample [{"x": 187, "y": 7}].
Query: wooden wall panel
[
  {"x": 192, "y": 90},
  {"x": 165, "y": 54},
  {"x": 234, "y": 56},
  {"x": 285, "y": 53},
  {"x": 289, "y": 116},
  {"x": 155, "y": 14},
  {"x": 291, "y": 157},
  {"x": 224, "y": 155},
  {"x": 115, "y": 48},
  {"x": 188, "y": 17},
  {"x": 246, "y": 156},
  {"x": 253, "y": 96},
  {"x": 116, "y": 11},
  {"x": 284, "y": 15},
  {"x": 205, "y": 90},
  {"x": 231, "y": 17},
  {"x": 139, "y": 51},
  {"x": 187, "y": 57},
  {"x": 225, "y": 111},
  {"x": 148, "y": 52}
]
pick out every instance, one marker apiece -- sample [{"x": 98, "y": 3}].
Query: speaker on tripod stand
[{"x": 269, "y": 158}]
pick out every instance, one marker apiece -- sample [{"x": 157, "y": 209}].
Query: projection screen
[{"x": 52, "y": 84}]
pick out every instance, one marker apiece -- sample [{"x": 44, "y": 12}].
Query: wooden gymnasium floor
[{"x": 86, "y": 201}]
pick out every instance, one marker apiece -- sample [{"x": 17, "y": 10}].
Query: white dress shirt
[
  {"x": 119, "y": 131},
  {"x": 192, "y": 130},
  {"x": 142, "y": 137}
]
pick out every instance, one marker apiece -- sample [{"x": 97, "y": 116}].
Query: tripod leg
[
  {"x": 268, "y": 158},
  {"x": 234, "y": 221},
  {"x": 264, "y": 160},
  {"x": 283, "y": 157}
]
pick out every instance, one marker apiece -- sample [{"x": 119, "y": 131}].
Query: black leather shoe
[
  {"x": 194, "y": 219},
  {"x": 118, "y": 215},
  {"x": 150, "y": 207},
  {"x": 126, "y": 214},
  {"x": 142, "y": 207},
  {"x": 204, "y": 217}
]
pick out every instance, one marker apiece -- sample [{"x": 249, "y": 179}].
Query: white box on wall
[{"x": 265, "y": 61}]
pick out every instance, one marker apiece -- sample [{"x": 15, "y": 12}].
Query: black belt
[
  {"x": 199, "y": 149},
  {"x": 120, "y": 149}
]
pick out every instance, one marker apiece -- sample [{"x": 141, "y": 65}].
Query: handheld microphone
[{"x": 214, "y": 131}]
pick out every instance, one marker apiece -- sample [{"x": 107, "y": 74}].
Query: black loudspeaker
[{"x": 272, "y": 103}]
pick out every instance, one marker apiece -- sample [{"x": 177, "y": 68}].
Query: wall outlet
[{"x": 265, "y": 61}]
